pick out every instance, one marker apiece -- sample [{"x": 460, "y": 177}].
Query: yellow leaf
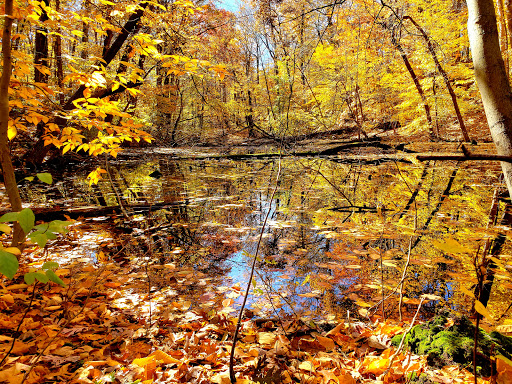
[
  {"x": 11, "y": 132},
  {"x": 5, "y": 228},
  {"x": 142, "y": 362},
  {"x": 267, "y": 338},
  {"x": 13, "y": 250},
  {"x": 378, "y": 366},
  {"x": 451, "y": 246},
  {"x": 467, "y": 292},
  {"x": 479, "y": 307},
  {"x": 504, "y": 370},
  {"x": 164, "y": 358},
  {"x": 501, "y": 357},
  {"x": 505, "y": 328},
  {"x": 307, "y": 366}
]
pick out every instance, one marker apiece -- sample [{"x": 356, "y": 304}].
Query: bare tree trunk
[
  {"x": 503, "y": 35},
  {"x": 446, "y": 79},
  {"x": 5, "y": 156},
  {"x": 491, "y": 78},
  {"x": 41, "y": 47},
  {"x": 59, "y": 67},
  {"x": 417, "y": 85}
]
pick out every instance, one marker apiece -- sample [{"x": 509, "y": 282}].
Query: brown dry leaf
[
  {"x": 16, "y": 286},
  {"x": 346, "y": 378},
  {"x": 14, "y": 375},
  {"x": 7, "y": 298},
  {"x": 504, "y": 372},
  {"x": 338, "y": 329},
  {"x": 64, "y": 351},
  {"x": 91, "y": 337},
  {"x": 326, "y": 342},
  {"x": 20, "y": 348},
  {"x": 53, "y": 308},
  {"x": 329, "y": 376}
]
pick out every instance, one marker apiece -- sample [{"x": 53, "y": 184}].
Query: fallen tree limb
[
  {"x": 469, "y": 157},
  {"x": 60, "y": 213}
]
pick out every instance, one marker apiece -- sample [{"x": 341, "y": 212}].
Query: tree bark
[
  {"x": 41, "y": 47},
  {"x": 446, "y": 79},
  {"x": 5, "y": 155},
  {"x": 491, "y": 78},
  {"x": 503, "y": 35},
  {"x": 417, "y": 84}
]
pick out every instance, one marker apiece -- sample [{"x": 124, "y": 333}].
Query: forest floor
[{"x": 138, "y": 321}]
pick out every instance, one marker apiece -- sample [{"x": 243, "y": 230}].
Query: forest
[{"x": 306, "y": 191}]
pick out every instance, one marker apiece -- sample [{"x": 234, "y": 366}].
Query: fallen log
[
  {"x": 61, "y": 213},
  {"x": 469, "y": 157}
]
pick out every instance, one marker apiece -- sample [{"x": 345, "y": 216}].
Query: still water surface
[{"x": 337, "y": 238}]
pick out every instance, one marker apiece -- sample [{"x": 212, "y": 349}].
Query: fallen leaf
[
  {"x": 326, "y": 342},
  {"x": 377, "y": 366},
  {"x": 307, "y": 366},
  {"x": 266, "y": 339}
]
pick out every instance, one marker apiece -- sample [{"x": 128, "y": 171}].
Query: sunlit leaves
[
  {"x": 95, "y": 175},
  {"x": 481, "y": 309}
]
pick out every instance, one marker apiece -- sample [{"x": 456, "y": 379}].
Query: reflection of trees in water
[{"x": 218, "y": 208}]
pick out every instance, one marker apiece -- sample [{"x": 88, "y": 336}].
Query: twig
[
  {"x": 235, "y": 336},
  {"x": 469, "y": 157},
  {"x": 403, "y": 339},
  {"x": 404, "y": 274},
  {"x": 36, "y": 358},
  {"x": 16, "y": 333}
]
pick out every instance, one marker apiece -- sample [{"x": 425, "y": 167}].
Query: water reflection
[{"x": 338, "y": 234}]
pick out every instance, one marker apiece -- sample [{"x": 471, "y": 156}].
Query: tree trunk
[
  {"x": 446, "y": 79},
  {"x": 57, "y": 52},
  {"x": 417, "y": 84},
  {"x": 491, "y": 78},
  {"x": 503, "y": 35},
  {"x": 41, "y": 47},
  {"x": 5, "y": 155}
]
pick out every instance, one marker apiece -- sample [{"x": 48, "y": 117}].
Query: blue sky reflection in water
[{"x": 229, "y": 5}]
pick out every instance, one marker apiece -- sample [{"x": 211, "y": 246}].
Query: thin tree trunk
[
  {"x": 417, "y": 85},
  {"x": 503, "y": 35},
  {"x": 41, "y": 47},
  {"x": 5, "y": 156},
  {"x": 491, "y": 78},
  {"x": 57, "y": 51},
  {"x": 446, "y": 79},
  {"x": 507, "y": 5}
]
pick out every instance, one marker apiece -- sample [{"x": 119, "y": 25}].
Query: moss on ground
[{"x": 446, "y": 344}]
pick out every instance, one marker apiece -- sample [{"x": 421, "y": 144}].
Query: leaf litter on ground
[{"x": 163, "y": 323}]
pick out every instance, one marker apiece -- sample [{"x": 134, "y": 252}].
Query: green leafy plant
[{"x": 38, "y": 234}]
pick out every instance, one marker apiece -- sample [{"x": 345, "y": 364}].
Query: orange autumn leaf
[{"x": 326, "y": 342}]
